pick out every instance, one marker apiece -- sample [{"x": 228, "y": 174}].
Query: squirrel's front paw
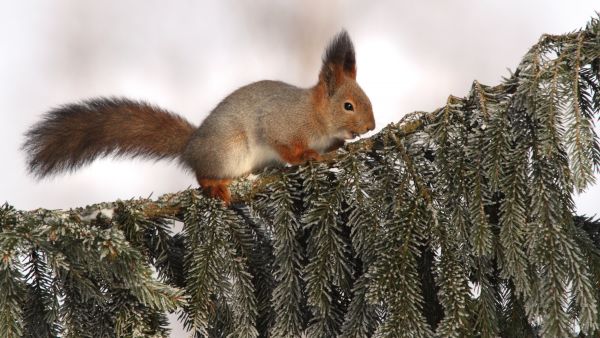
[{"x": 311, "y": 155}]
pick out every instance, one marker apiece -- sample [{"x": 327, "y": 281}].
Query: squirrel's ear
[{"x": 339, "y": 62}]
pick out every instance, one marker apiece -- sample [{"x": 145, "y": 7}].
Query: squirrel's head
[{"x": 342, "y": 102}]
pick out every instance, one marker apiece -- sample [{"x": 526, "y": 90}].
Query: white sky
[{"x": 187, "y": 55}]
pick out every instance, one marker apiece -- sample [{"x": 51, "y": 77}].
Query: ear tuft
[
  {"x": 339, "y": 62},
  {"x": 340, "y": 53}
]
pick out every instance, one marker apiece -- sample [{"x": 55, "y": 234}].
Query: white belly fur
[
  {"x": 323, "y": 143},
  {"x": 246, "y": 161}
]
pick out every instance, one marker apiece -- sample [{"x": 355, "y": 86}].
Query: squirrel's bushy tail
[{"x": 75, "y": 134}]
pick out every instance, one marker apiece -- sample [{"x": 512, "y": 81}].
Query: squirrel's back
[{"x": 75, "y": 134}]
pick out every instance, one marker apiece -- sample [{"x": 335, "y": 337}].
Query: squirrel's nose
[{"x": 371, "y": 125}]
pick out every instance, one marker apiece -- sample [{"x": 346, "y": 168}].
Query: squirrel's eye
[{"x": 348, "y": 106}]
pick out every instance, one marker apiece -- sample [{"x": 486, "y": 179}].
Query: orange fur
[
  {"x": 339, "y": 75},
  {"x": 239, "y": 137},
  {"x": 351, "y": 73},
  {"x": 319, "y": 95},
  {"x": 216, "y": 188},
  {"x": 297, "y": 152}
]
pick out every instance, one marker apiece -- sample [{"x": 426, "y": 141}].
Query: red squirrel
[{"x": 261, "y": 124}]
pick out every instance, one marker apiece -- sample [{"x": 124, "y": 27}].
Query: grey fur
[{"x": 251, "y": 112}]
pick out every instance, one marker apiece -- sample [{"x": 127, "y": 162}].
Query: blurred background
[{"x": 187, "y": 55}]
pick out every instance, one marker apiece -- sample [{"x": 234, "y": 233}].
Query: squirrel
[{"x": 261, "y": 124}]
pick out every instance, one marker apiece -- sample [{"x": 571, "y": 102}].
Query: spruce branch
[{"x": 459, "y": 222}]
